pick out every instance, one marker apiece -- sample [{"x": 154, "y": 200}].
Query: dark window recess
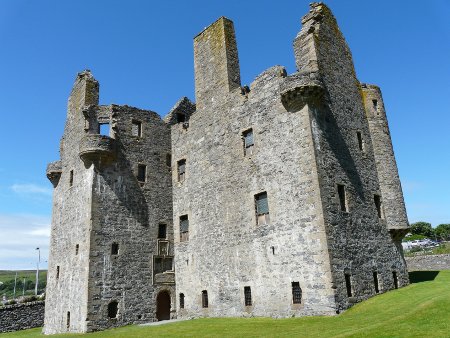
[
  {"x": 115, "y": 249},
  {"x": 71, "y": 178},
  {"x": 168, "y": 160},
  {"x": 57, "y": 272},
  {"x": 375, "y": 105},
  {"x": 103, "y": 129},
  {"x": 163, "y": 248},
  {"x": 136, "y": 128},
  {"x": 163, "y": 264},
  {"x": 184, "y": 228},
  {"x": 375, "y": 282},
  {"x": 68, "y": 320},
  {"x": 181, "y": 300},
  {"x": 112, "y": 309},
  {"x": 142, "y": 172},
  {"x": 77, "y": 248},
  {"x": 204, "y": 299},
  {"x": 162, "y": 230},
  {"x": 248, "y": 141},
  {"x": 394, "y": 276},
  {"x": 348, "y": 284},
  {"x": 181, "y": 170},
  {"x": 273, "y": 250},
  {"x": 247, "y": 296},
  {"x": 378, "y": 206},
  {"x": 296, "y": 293},
  {"x": 360, "y": 141},
  {"x": 342, "y": 197},
  {"x": 262, "y": 208},
  {"x": 181, "y": 117}
]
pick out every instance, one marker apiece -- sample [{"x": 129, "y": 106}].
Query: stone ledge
[{"x": 95, "y": 147}]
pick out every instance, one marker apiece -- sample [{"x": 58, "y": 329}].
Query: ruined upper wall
[{"x": 216, "y": 62}]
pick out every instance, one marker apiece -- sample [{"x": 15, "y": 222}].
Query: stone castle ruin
[{"x": 281, "y": 198}]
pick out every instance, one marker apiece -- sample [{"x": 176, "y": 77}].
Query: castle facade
[{"x": 281, "y": 198}]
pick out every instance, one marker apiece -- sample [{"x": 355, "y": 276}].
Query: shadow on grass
[{"x": 422, "y": 276}]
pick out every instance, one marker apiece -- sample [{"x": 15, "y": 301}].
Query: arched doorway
[{"x": 163, "y": 305}]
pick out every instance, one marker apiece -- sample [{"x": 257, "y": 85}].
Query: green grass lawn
[{"x": 419, "y": 310}]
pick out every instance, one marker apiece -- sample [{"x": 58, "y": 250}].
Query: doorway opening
[{"x": 163, "y": 305}]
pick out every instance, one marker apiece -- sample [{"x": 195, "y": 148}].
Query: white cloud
[
  {"x": 31, "y": 189},
  {"x": 20, "y": 235}
]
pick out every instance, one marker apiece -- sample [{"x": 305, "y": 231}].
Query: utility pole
[
  {"x": 37, "y": 271},
  {"x": 15, "y": 283},
  {"x": 23, "y": 291}
]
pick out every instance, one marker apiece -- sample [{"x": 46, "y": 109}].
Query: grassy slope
[
  {"x": 419, "y": 310},
  {"x": 30, "y": 275}
]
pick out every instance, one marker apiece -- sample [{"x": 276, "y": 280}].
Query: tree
[
  {"x": 443, "y": 231},
  {"x": 422, "y": 228}
]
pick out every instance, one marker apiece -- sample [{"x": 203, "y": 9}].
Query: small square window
[
  {"x": 181, "y": 170},
  {"x": 181, "y": 117},
  {"x": 104, "y": 129},
  {"x": 248, "y": 142},
  {"x": 142, "y": 172},
  {"x": 136, "y": 128},
  {"x": 342, "y": 197}
]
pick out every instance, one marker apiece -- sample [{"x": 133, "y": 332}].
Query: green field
[
  {"x": 7, "y": 280},
  {"x": 419, "y": 310}
]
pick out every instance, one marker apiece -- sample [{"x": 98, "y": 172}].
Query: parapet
[
  {"x": 302, "y": 88},
  {"x": 180, "y": 112}
]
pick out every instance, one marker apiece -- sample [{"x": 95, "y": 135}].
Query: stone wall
[
  {"x": 21, "y": 316},
  {"x": 428, "y": 262}
]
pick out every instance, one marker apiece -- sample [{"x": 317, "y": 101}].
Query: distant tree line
[{"x": 441, "y": 232}]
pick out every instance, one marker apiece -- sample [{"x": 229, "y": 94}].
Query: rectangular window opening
[
  {"x": 375, "y": 282},
  {"x": 181, "y": 117},
  {"x": 115, "y": 249},
  {"x": 77, "y": 248},
  {"x": 395, "y": 277},
  {"x": 136, "y": 128},
  {"x": 71, "y": 178},
  {"x": 163, "y": 248},
  {"x": 68, "y": 320},
  {"x": 375, "y": 105},
  {"x": 262, "y": 208},
  {"x": 181, "y": 300},
  {"x": 296, "y": 293},
  {"x": 360, "y": 141},
  {"x": 168, "y": 160},
  {"x": 162, "y": 264},
  {"x": 342, "y": 197},
  {"x": 181, "y": 170},
  {"x": 142, "y": 172},
  {"x": 162, "y": 230},
  {"x": 184, "y": 228},
  {"x": 378, "y": 205},
  {"x": 204, "y": 299},
  {"x": 247, "y": 296},
  {"x": 57, "y": 272},
  {"x": 248, "y": 142},
  {"x": 103, "y": 129},
  {"x": 348, "y": 284}
]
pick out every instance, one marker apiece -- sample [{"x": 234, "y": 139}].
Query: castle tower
[
  {"x": 391, "y": 190},
  {"x": 111, "y": 258}
]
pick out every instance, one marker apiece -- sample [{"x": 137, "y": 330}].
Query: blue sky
[{"x": 141, "y": 52}]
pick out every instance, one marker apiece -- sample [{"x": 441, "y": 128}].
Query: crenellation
[{"x": 272, "y": 199}]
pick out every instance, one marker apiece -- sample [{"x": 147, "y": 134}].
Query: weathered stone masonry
[
  {"x": 272, "y": 199},
  {"x": 21, "y": 316}
]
